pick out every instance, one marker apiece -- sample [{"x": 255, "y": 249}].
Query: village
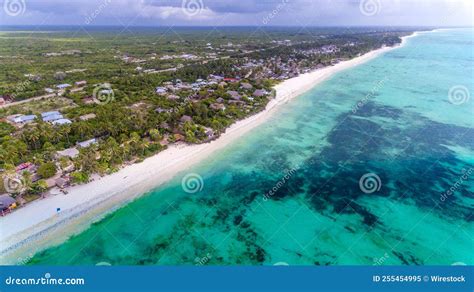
[{"x": 81, "y": 128}]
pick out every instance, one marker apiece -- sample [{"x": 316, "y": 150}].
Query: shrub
[{"x": 47, "y": 170}]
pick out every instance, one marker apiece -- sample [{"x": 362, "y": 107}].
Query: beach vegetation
[{"x": 47, "y": 170}]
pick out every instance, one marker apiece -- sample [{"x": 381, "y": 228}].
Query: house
[
  {"x": 62, "y": 182},
  {"x": 220, "y": 100},
  {"x": 209, "y": 132},
  {"x": 234, "y": 94},
  {"x": 13, "y": 118},
  {"x": 260, "y": 93},
  {"x": 170, "y": 87},
  {"x": 231, "y": 80},
  {"x": 51, "y": 116},
  {"x": 61, "y": 122},
  {"x": 217, "y": 106},
  {"x": 246, "y": 85},
  {"x": 33, "y": 77},
  {"x": 164, "y": 141},
  {"x": 63, "y": 86},
  {"x": 49, "y": 90},
  {"x": 162, "y": 110},
  {"x": 188, "y": 56},
  {"x": 106, "y": 92},
  {"x": 27, "y": 166},
  {"x": 216, "y": 77},
  {"x": 161, "y": 90},
  {"x": 70, "y": 152},
  {"x": 8, "y": 98},
  {"x": 51, "y": 182},
  {"x": 51, "y": 113},
  {"x": 173, "y": 97},
  {"x": 178, "y": 137},
  {"x": 186, "y": 119},
  {"x": 7, "y": 204},
  {"x": 80, "y": 83},
  {"x": 87, "y": 143},
  {"x": 88, "y": 100},
  {"x": 69, "y": 168},
  {"x": 237, "y": 102},
  {"x": 87, "y": 117},
  {"x": 22, "y": 119}
]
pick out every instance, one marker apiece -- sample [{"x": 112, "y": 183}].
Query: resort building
[
  {"x": 51, "y": 116},
  {"x": 106, "y": 91},
  {"x": 186, "y": 119},
  {"x": 260, "y": 93},
  {"x": 7, "y": 204},
  {"x": 161, "y": 90},
  {"x": 81, "y": 83},
  {"x": 21, "y": 119},
  {"x": 87, "y": 117},
  {"x": 246, "y": 85},
  {"x": 234, "y": 94},
  {"x": 70, "y": 153},
  {"x": 87, "y": 143},
  {"x": 26, "y": 166},
  {"x": 217, "y": 106},
  {"x": 61, "y": 122},
  {"x": 63, "y": 86}
]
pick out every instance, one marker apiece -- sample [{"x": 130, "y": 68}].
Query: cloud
[{"x": 243, "y": 12}]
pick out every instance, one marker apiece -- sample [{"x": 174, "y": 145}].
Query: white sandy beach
[{"x": 38, "y": 225}]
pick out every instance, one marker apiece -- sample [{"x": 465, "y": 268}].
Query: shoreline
[{"x": 38, "y": 226}]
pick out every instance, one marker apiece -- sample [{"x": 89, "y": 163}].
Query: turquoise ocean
[{"x": 375, "y": 166}]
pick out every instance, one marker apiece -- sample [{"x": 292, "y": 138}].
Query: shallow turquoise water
[{"x": 391, "y": 117}]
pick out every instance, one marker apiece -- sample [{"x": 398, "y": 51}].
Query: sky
[{"x": 439, "y": 13}]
